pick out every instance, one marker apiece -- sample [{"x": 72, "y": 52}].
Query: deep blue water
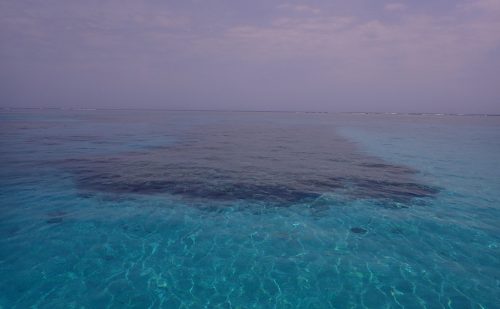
[{"x": 162, "y": 209}]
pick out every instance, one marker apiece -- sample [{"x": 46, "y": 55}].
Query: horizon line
[{"x": 245, "y": 111}]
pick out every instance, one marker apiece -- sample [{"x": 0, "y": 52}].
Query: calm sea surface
[{"x": 163, "y": 209}]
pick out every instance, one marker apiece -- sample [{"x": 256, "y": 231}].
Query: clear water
[{"x": 138, "y": 209}]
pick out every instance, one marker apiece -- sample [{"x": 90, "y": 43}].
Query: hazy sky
[{"x": 357, "y": 55}]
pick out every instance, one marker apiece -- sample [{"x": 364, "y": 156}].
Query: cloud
[
  {"x": 112, "y": 16},
  {"x": 491, "y": 6},
  {"x": 312, "y": 52},
  {"x": 301, "y": 8},
  {"x": 395, "y": 7},
  {"x": 78, "y": 31},
  {"x": 424, "y": 47}
]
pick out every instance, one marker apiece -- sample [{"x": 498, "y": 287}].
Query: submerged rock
[
  {"x": 358, "y": 230},
  {"x": 54, "y": 220}
]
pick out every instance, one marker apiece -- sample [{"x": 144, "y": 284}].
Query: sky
[{"x": 317, "y": 55}]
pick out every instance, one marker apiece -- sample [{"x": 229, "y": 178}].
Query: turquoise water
[{"x": 157, "y": 209}]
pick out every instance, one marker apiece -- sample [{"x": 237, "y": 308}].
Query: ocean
[{"x": 200, "y": 209}]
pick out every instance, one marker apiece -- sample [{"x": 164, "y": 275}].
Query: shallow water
[{"x": 162, "y": 209}]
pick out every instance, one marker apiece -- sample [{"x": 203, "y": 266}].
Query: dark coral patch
[{"x": 244, "y": 163}]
